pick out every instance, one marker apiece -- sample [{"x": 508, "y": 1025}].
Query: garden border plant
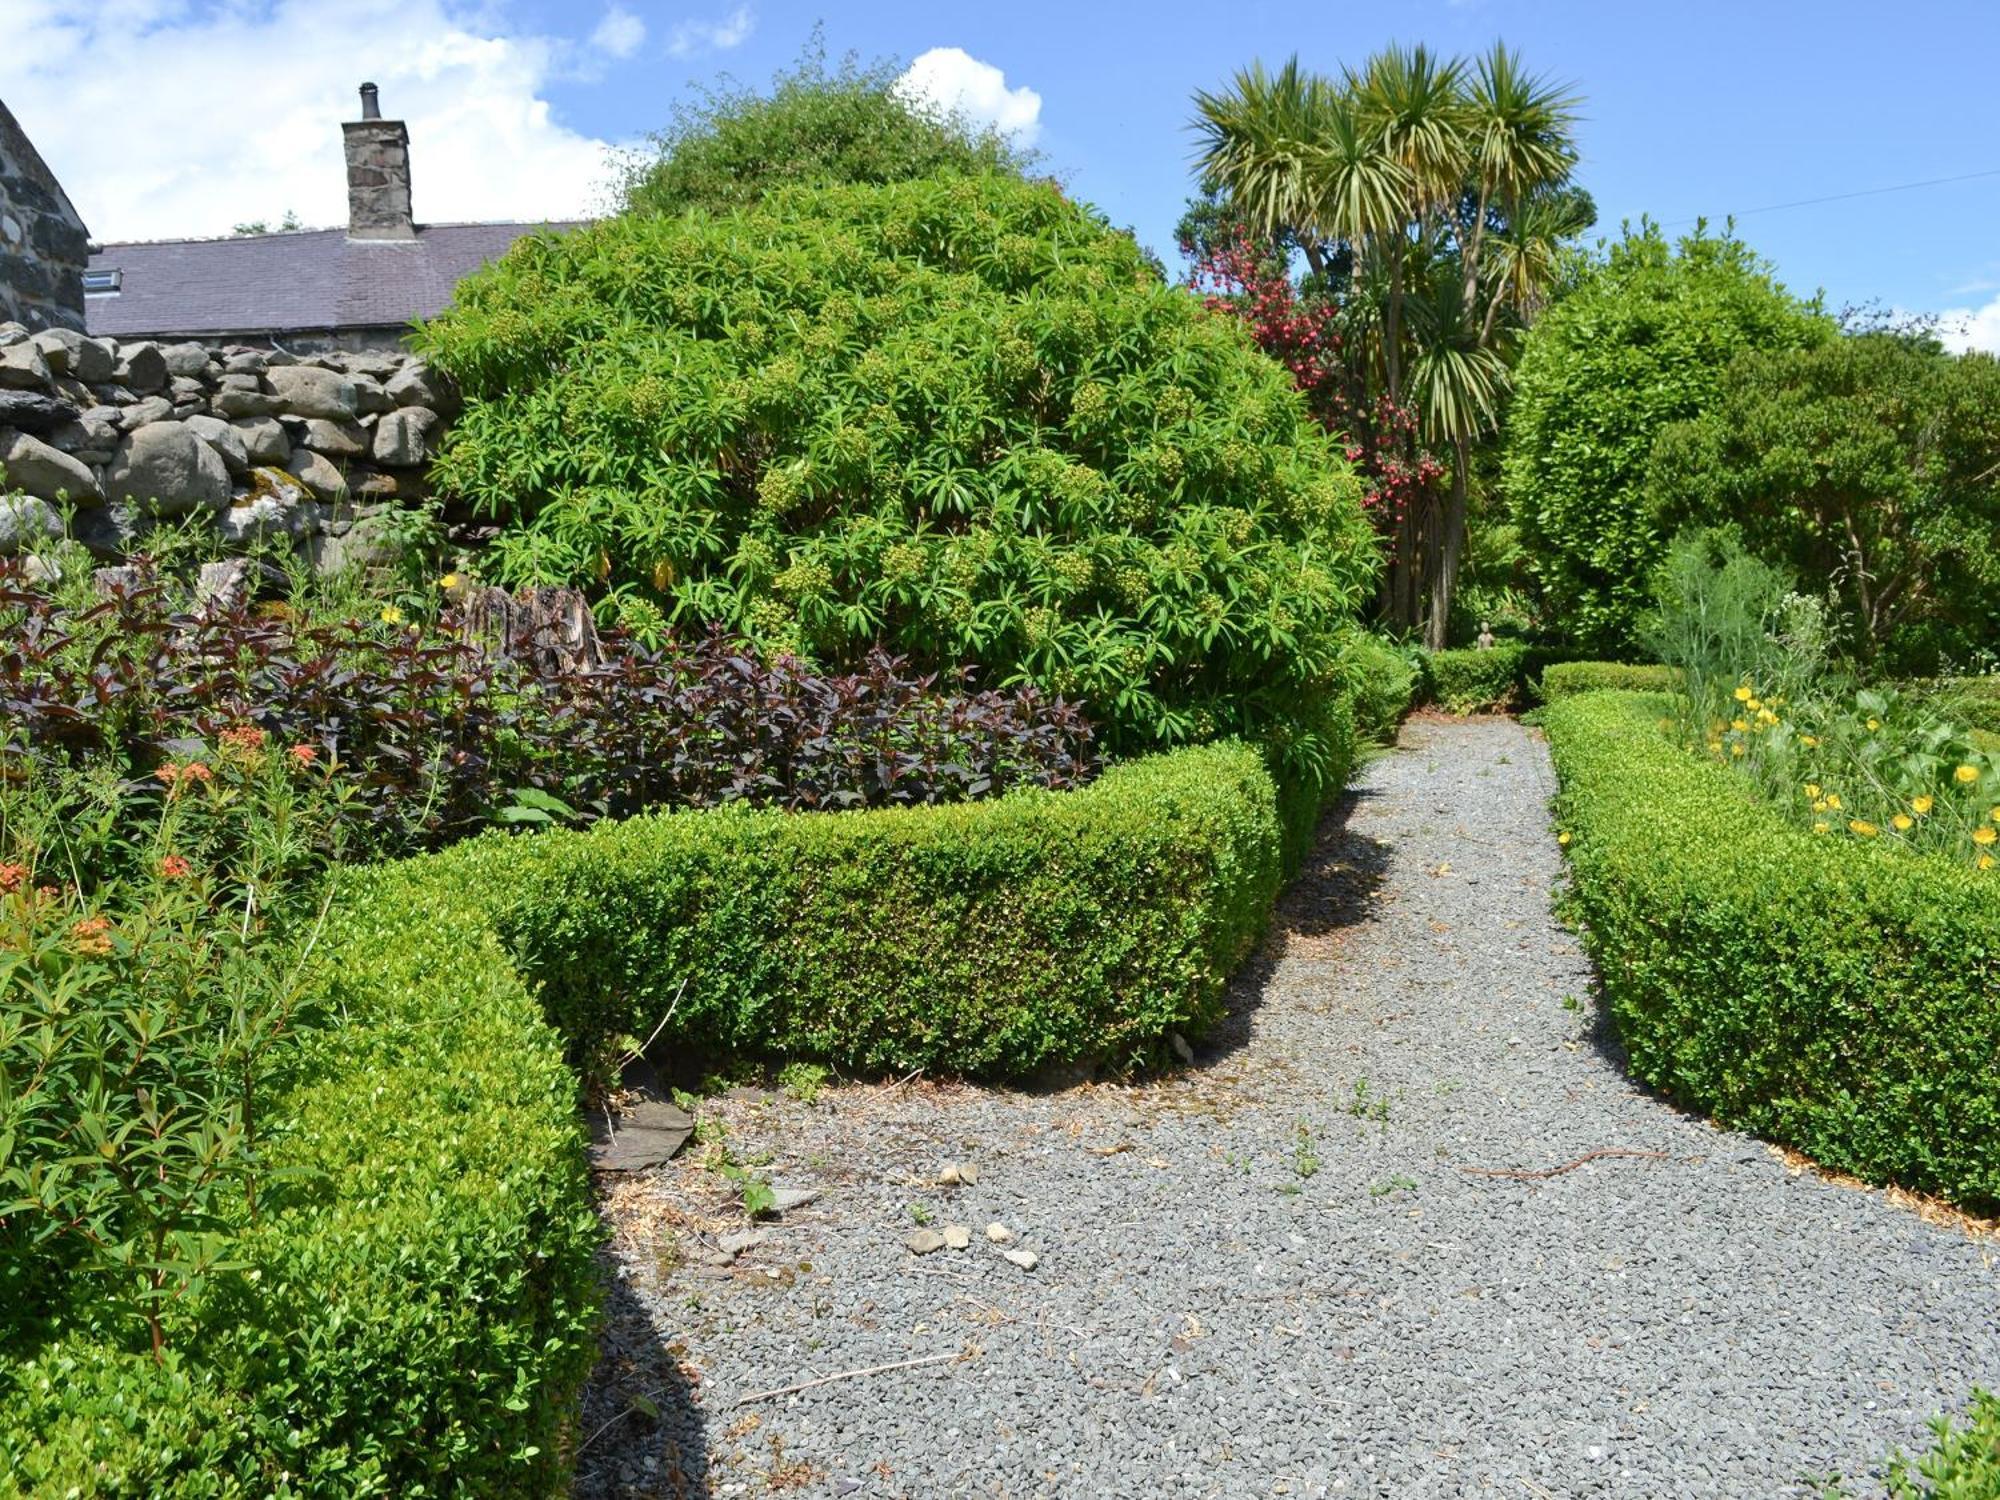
[{"x": 1826, "y": 994}]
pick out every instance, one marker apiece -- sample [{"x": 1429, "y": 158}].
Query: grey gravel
[{"x": 1268, "y": 1274}]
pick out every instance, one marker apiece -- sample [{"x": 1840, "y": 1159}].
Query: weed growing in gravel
[
  {"x": 803, "y": 1081},
  {"x": 1570, "y": 1002},
  {"x": 1392, "y": 1184},
  {"x": 1366, "y": 1105},
  {"x": 921, "y": 1213},
  {"x": 1305, "y": 1159}
]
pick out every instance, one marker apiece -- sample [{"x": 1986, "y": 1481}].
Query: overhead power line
[{"x": 1901, "y": 187}]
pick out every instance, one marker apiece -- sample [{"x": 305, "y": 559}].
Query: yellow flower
[
  {"x": 1752, "y": 704},
  {"x": 1812, "y": 789},
  {"x": 1715, "y": 747},
  {"x": 1965, "y": 775},
  {"x": 449, "y": 582},
  {"x": 1563, "y": 838},
  {"x": 1996, "y": 815},
  {"x": 1983, "y": 835},
  {"x": 1921, "y": 805},
  {"x": 1739, "y": 726},
  {"x": 1744, "y": 695},
  {"x": 1821, "y": 826},
  {"x": 1986, "y": 861},
  {"x": 391, "y": 615},
  {"x": 1862, "y": 827},
  {"x": 1873, "y": 725},
  {"x": 1810, "y": 741},
  {"x": 1904, "y": 822},
  {"x": 1833, "y": 801},
  {"x": 1737, "y": 748}
]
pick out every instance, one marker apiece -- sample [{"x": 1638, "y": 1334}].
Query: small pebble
[
  {"x": 924, "y": 1241},
  {"x": 957, "y": 1236},
  {"x": 999, "y": 1233},
  {"x": 1027, "y": 1260}
]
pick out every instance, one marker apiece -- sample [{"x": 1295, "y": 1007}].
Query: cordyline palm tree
[{"x": 1443, "y": 180}]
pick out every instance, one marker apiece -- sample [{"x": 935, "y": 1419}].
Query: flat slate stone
[{"x": 646, "y": 1135}]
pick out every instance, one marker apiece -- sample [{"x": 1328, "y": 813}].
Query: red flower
[
  {"x": 11, "y": 877},
  {"x": 305, "y": 755},
  {"x": 173, "y": 867},
  {"x": 243, "y": 737}
]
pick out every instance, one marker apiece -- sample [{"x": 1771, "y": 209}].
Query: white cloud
[
  {"x": 1963, "y": 328},
  {"x": 692, "y": 37},
  {"x": 165, "y": 119},
  {"x": 619, "y": 34},
  {"x": 951, "y": 80}
]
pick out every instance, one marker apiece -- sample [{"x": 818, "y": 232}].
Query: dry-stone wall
[{"x": 264, "y": 445}]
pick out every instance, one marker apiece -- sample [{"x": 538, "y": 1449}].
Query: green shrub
[
  {"x": 1469, "y": 680},
  {"x": 1871, "y": 462},
  {"x": 1822, "y": 993},
  {"x": 814, "y": 128},
  {"x": 413, "y": 1308},
  {"x": 989, "y": 939},
  {"x": 1642, "y": 340},
  {"x": 1565, "y": 679},
  {"x": 1384, "y": 683},
  {"x": 958, "y": 416},
  {"x": 1965, "y": 1464}
]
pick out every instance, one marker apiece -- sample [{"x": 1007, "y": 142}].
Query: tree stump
[{"x": 551, "y": 630}]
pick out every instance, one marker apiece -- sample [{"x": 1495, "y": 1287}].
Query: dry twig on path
[
  {"x": 1568, "y": 1166},
  {"x": 806, "y": 1385}
]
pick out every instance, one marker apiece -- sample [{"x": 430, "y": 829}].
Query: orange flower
[
  {"x": 92, "y": 935},
  {"x": 173, "y": 867},
  {"x": 11, "y": 877},
  {"x": 243, "y": 737},
  {"x": 305, "y": 755}
]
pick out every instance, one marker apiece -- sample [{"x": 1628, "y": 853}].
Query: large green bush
[
  {"x": 1640, "y": 341},
  {"x": 1871, "y": 462},
  {"x": 1818, "y": 991},
  {"x": 413, "y": 1312},
  {"x": 958, "y": 416}
]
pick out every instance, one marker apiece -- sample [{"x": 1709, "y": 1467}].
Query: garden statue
[{"x": 1485, "y": 641}]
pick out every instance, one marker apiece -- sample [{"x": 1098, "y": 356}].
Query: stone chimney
[{"x": 378, "y": 174}]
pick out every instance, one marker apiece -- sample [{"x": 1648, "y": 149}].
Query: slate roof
[{"x": 295, "y": 281}]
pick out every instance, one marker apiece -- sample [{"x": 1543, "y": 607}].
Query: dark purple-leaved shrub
[{"x": 429, "y": 738}]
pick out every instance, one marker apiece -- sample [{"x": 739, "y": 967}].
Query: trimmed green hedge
[
  {"x": 1565, "y": 679},
  {"x": 987, "y": 939},
  {"x": 420, "y": 1305},
  {"x": 1838, "y": 998},
  {"x": 421, "y": 1301},
  {"x": 1468, "y": 681}
]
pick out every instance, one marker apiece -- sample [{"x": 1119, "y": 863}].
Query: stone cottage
[
  {"x": 305, "y": 291},
  {"x": 43, "y": 244}
]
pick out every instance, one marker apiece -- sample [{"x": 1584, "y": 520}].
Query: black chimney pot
[{"x": 371, "y": 103}]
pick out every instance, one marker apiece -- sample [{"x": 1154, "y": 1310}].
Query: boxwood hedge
[
  {"x": 1832, "y": 996},
  {"x": 1565, "y": 679},
  {"x": 415, "y": 1310},
  {"x": 1467, "y": 681}
]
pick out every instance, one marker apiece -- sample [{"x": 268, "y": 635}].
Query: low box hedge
[
  {"x": 1829, "y": 995},
  {"x": 417, "y": 1312},
  {"x": 1468, "y": 680},
  {"x": 1565, "y": 679}
]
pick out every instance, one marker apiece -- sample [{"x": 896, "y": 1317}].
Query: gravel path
[{"x": 1272, "y": 1275}]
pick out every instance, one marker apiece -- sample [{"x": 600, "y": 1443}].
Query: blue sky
[{"x": 1699, "y": 107}]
